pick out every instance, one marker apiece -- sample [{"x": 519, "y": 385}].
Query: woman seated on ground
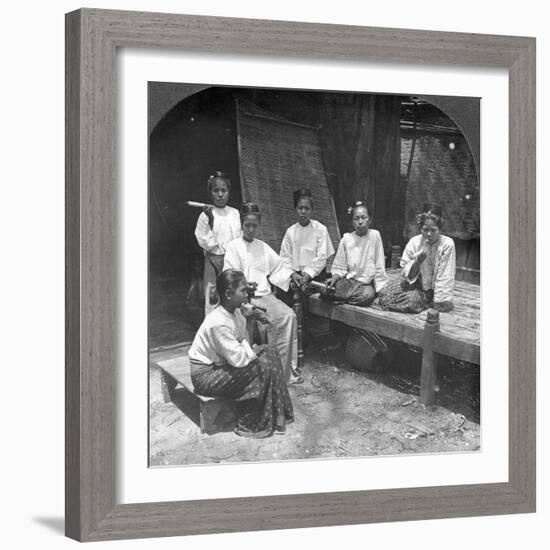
[
  {"x": 223, "y": 364},
  {"x": 358, "y": 271},
  {"x": 428, "y": 269},
  {"x": 263, "y": 266},
  {"x": 306, "y": 245}
]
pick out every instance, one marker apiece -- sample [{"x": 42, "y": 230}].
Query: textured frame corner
[{"x": 92, "y": 38}]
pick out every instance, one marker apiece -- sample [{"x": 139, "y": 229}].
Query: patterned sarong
[
  {"x": 260, "y": 388},
  {"x": 399, "y": 295},
  {"x": 350, "y": 291}
]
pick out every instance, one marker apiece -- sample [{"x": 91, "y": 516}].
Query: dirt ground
[{"x": 339, "y": 412}]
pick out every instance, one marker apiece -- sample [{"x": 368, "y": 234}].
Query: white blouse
[
  {"x": 221, "y": 339},
  {"x": 227, "y": 226},
  {"x": 361, "y": 258},
  {"x": 437, "y": 271},
  {"x": 259, "y": 263},
  {"x": 307, "y": 248}
]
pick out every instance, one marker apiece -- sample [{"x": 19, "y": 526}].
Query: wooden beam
[
  {"x": 403, "y": 327},
  {"x": 299, "y": 311}
]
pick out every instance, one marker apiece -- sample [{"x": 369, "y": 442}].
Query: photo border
[{"x": 92, "y": 39}]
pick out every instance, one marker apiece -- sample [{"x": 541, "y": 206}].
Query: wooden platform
[
  {"x": 457, "y": 334},
  {"x": 215, "y": 413}
]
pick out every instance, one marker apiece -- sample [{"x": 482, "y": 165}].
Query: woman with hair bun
[
  {"x": 223, "y": 364},
  {"x": 358, "y": 270},
  {"x": 428, "y": 269},
  {"x": 216, "y": 226},
  {"x": 262, "y": 267}
]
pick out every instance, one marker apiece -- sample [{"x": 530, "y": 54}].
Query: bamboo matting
[{"x": 277, "y": 157}]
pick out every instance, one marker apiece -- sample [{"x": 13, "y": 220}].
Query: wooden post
[
  {"x": 168, "y": 385},
  {"x": 429, "y": 367},
  {"x": 298, "y": 309},
  {"x": 395, "y": 256},
  {"x": 250, "y": 331},
  {"x": 256, "y": 332}
]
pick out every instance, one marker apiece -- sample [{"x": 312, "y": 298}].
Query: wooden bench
[
  {"x": 215, "y": 413},
  {"x": 456, "y": 333}
]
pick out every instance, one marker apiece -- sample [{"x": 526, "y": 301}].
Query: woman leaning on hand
[{"x": 428, "y": 269}]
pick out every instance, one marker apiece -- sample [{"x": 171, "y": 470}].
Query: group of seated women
[{"x": 222, "y": 359}]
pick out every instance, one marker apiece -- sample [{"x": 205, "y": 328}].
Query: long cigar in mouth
[{"x": 199, "y": 204}]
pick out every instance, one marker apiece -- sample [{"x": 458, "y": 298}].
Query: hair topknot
[
  {"x": 302, "y": 194},
  {"x": 228, "y": 280},
  {"x": 218, "y": 175},
  {"x": 356, "y": 204},
  {"x": 432, "y": 211},
  {"x": 249, "y": 208}
]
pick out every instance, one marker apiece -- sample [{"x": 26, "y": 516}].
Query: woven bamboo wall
[
  {"x": 277, "y": 157},
  {"x": 442, "y": 171}
]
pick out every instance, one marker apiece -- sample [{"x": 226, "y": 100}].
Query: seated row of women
[{"x": 358, "y": 273}]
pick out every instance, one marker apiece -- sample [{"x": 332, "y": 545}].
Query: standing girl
[
  {"x": 216, "y": 226},
  {"x": 263, "y": 266},
  {"x": 223, "y": 364}
]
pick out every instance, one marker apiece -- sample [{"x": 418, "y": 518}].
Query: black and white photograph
[
  {"x": 314, "y": 274},
  {"x": 270, "y": 275}
]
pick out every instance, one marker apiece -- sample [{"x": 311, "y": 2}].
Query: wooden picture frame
[{"x": 92, "y": 39}]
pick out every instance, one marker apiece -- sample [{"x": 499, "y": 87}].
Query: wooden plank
[
  {"x": 404, "y": 327},
  {"x": 179, "y": 368},
  {"x": 75, "y": 501},
  {"x": 215, "y": 413},
  {"x": 368, "y": 319},
  {"x": 459, "y": 334},
  {"x": 168, "y": 384}
]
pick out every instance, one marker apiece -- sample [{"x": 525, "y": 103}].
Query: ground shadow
[
  {"x": 189, "y": 405},
  {"x": 458, "y": 381},
  {"x": 54, "y": 524}
]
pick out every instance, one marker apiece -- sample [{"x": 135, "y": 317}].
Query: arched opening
[{"x": 394, "y": 151}]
